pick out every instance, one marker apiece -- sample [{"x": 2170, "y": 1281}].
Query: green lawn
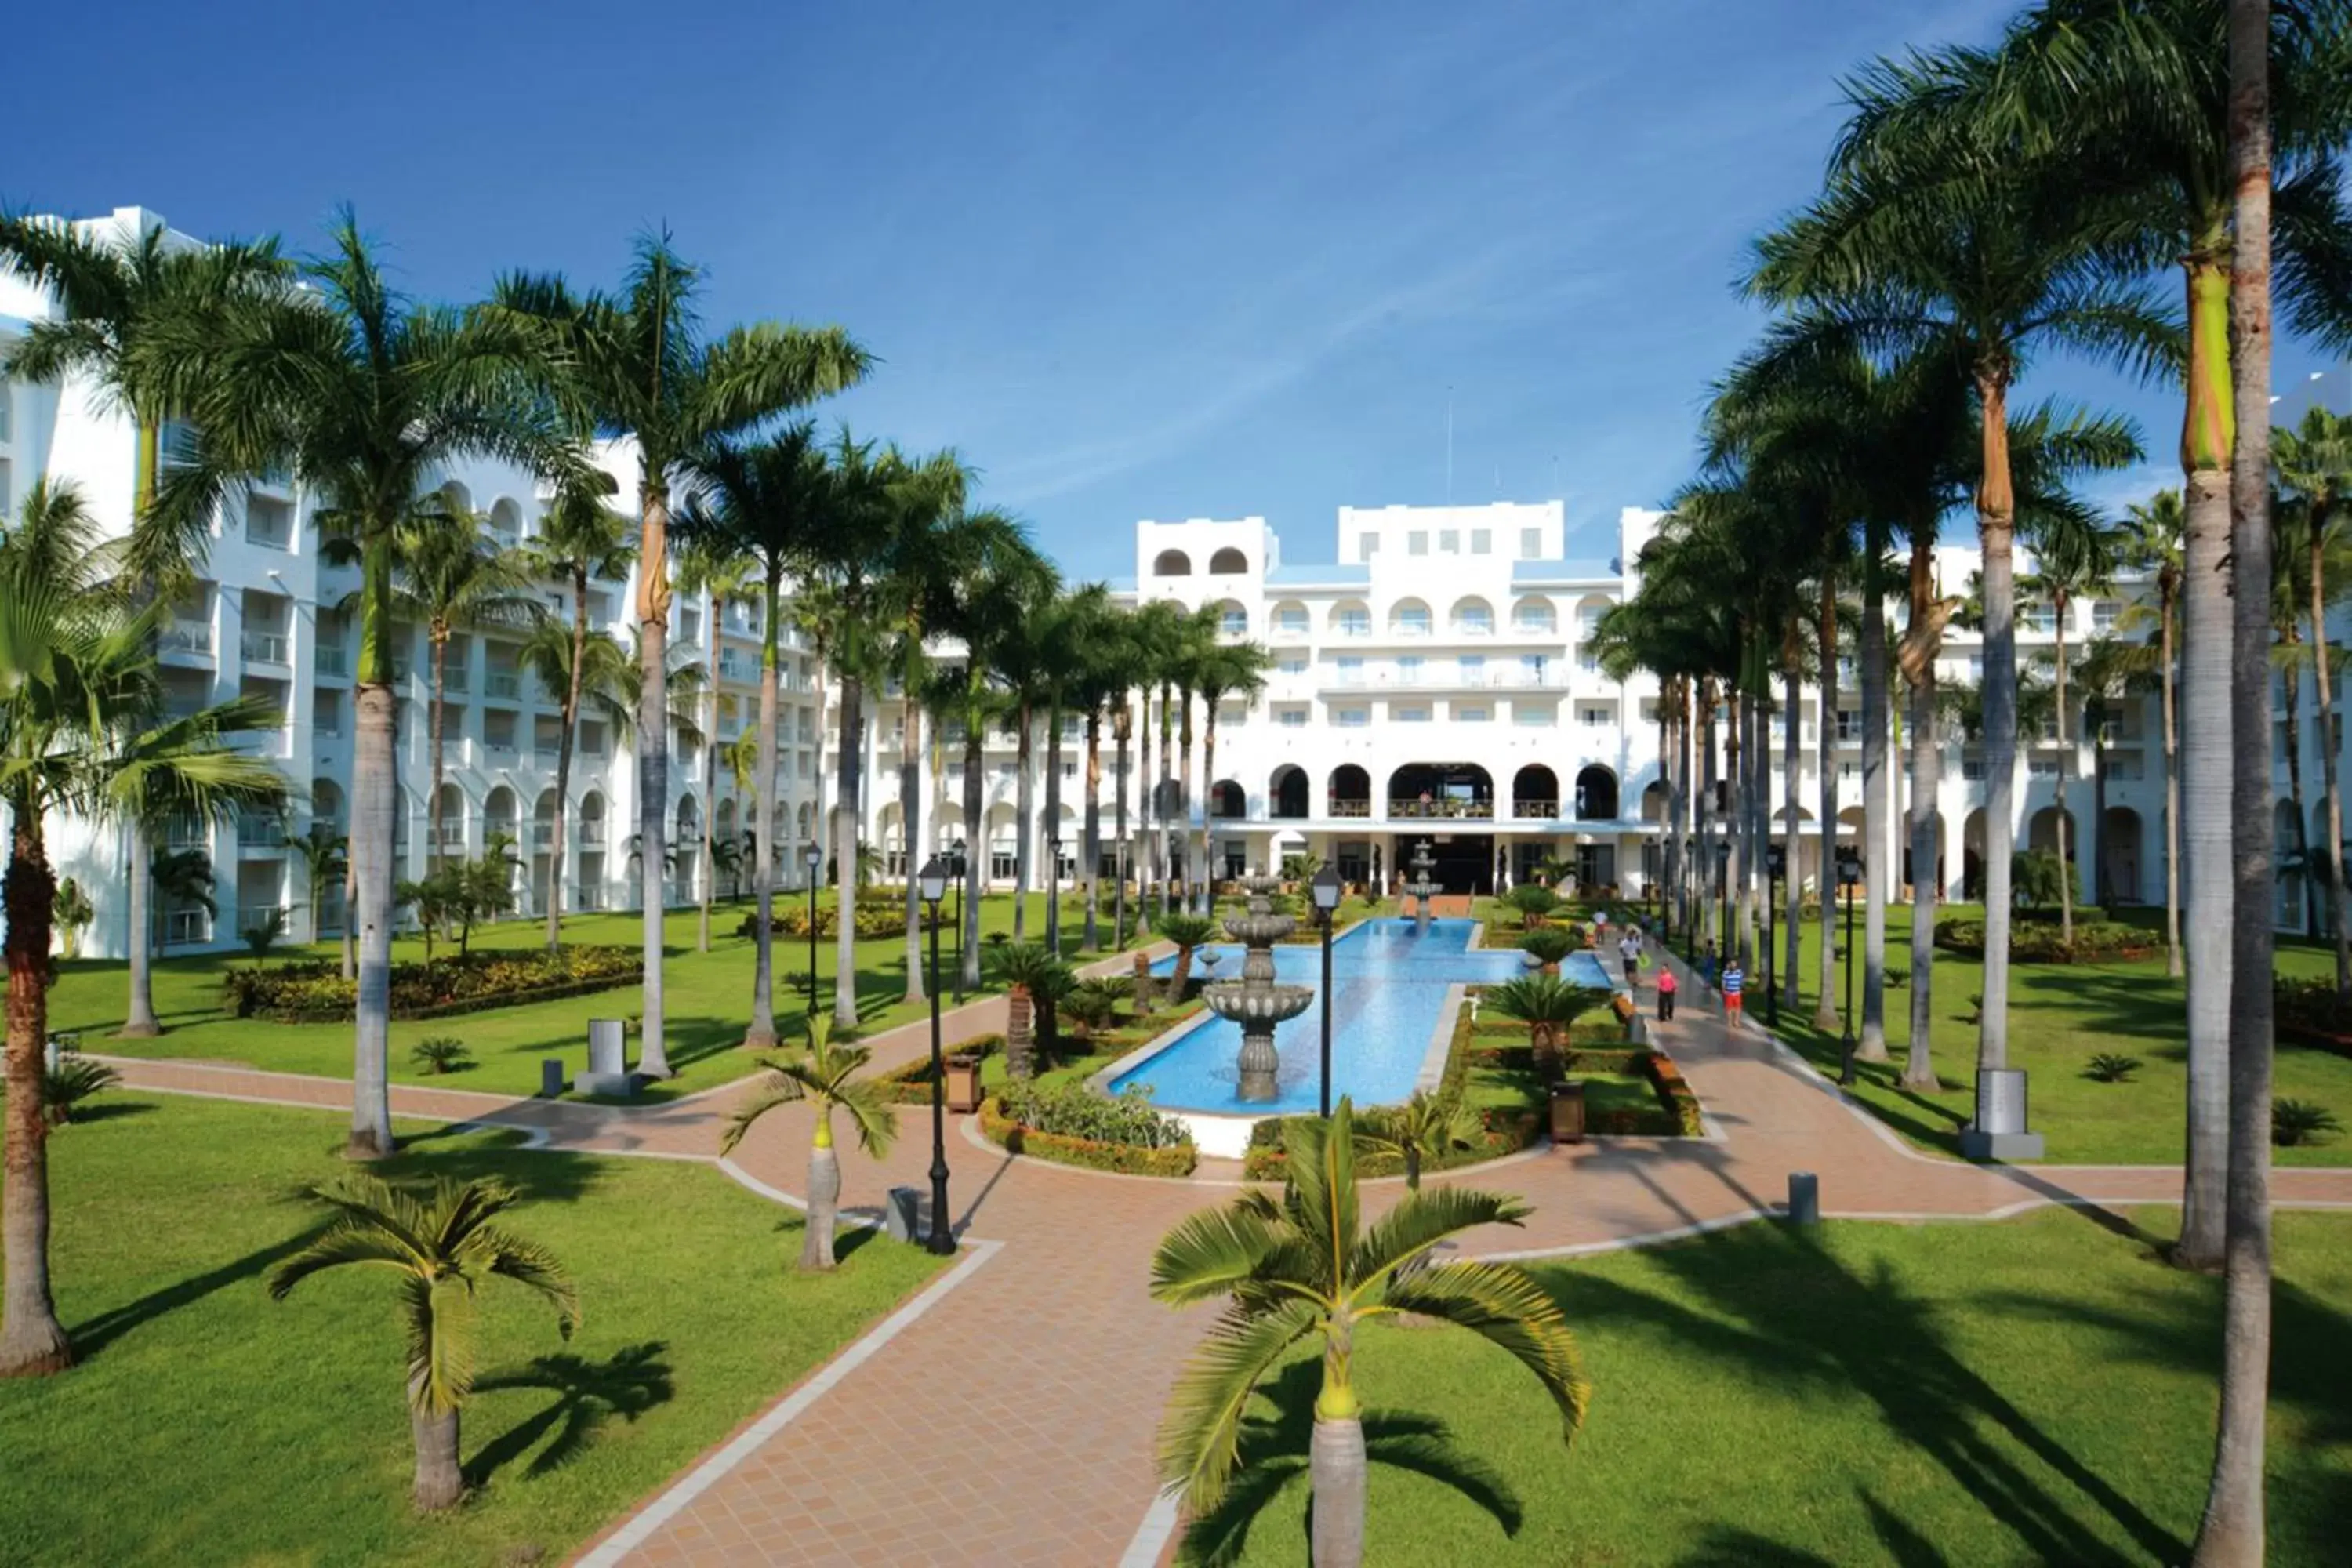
[
  {"x": 2060, "y": 1016},
  {"x": 2037, "y": 1391},
  {"x": 708, "y": 1003},
  {"x": 208, "y": 1423}
]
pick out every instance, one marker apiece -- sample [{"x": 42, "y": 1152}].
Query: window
[
  {"x": 1530, "y": 543},
  {"x": 1976, "y": 666},
  {"x": 1351, "y": 670},
  {"x": 1850, "y": 770},
  {"x": 1532, "y": 669},
  {"x": 1291, "y": 620},
  {"x": 1971, "y": 767},
  {"x": 1356, "y": 623},
  {"x": 1350, "y": 717},
  {"x": 1534, "y": 616},
  {"x": 327, "y": 712},
  {"x": 1291, "y": 718},
  {"x": 1408, "y": 671},
  {"x": 1449, "y": 542},
  {"x": 1233, "y": 621},
  {"x": 1413, "y": 620},
  {"x": 1592, "y": 718},
  {"x": 1474, "y": 620},
  {"x": 1069, "y": 769},
  {"x": 1470, "y": 715},
  {"x": 2040, "y": 619},
  {"x": 268, "y": 524},
  {"x": 1533, "y": 713},
  {"x": 2103, "y": 616},
  {"x": 1472, "y": 668},
  {"x": 1417, "y": 542},
  {"x": 1410, "y": 715},
  {"x": 1291, "y": 664},
  {"x": 1588, "y": 660},
  {"x": 1366, "y": 546},
  {"x": 1482, "y": 541},
  {"x": 2042, "y": 767}
]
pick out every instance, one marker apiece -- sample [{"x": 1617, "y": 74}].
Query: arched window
[
  {"x": 591, "y": 819},
  {"x": 1535, "y": 614},
  {"x": 1535, "y": 793},
  {"x": 1351, "y": 618},
  {"x": 1473, "y": 617},
  {"x": 1596, "y": 794},
  {"x": 505, "y": 521},
  {"x": 1351, "y": 791},
  {"x": 1291, "y": 620},
  {"x": 1225, "y": 800},
  {"x": 1233, "y": 620},
  {"x": 1228, "y": 562},
  {"x": 1288, "y": 790},
  {"x": 1408, "y": 618},
  {"x": 1173, "y": 563}
]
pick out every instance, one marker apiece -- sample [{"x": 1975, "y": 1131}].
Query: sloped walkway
[{"x": 1007, "y": 1416}]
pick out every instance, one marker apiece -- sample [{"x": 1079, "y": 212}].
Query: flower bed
[
  {"x": 2307, "y": 1012},
  {"x": 874, "y": 919},
  {"x": 1072, "y": 1125},
  {"x": 316, "y": 992},
  {"x": 2042, "y": 942},
  {"x": 911, "y": 1084}
]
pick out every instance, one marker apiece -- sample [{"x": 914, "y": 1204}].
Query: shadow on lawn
[
  {"x": 626, "y": 1383},
  {"x": 1274, "y": 1453},
  {"x": 93, "y": 1338},
  {"x": 1780, "y": 1307}
]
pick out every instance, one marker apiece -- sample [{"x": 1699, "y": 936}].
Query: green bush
[
  {"x": 2039, "y": 942},
  {"x": 2309, "y": 1009},
  {"x": 911, "y": 1084},
  {"x": 874, "y": 919},
  {"x": 315, "y": 992},
  {"x": 441, "y": 1053},
  {"x": 2296, "y": 1122},
  {"x": 1073, "y": 1111}
]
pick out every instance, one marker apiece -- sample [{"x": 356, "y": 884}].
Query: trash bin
[
  {"x": 1568, "y": 1111},
  {"x": 964, "y": 1084},
  {"x": 902, "y": 1213}
]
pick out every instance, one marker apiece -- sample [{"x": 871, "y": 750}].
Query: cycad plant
[
  {"x": 446, "y": 1246},
  {"x": 72, "y": 911},
  {"x": 829, "y": 1077},
  {"x": 1533, "y": 901},
  {"x": 1021, "y": 967},
  {"x": 1549, "y": 944},
  {"x": 1426, "y": 1127},
  {"x": 1546, "y": 1005},
  {"x": 1189, "y": 933},
  {"x": 1303, "y": 1268}
]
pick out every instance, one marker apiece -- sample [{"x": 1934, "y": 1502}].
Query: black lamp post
[
  {"x": 1325, "y": 886},
  {"x": 814, "y": 858},
  {"x": 1849, "y": 869},
  {"x": 932, "y": 883},
  {"x": 1774, "y": 858},
  {"x": 955, "y": 869}
]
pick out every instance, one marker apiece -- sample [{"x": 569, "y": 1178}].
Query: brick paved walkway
[{"x": 1009, "y": 1421}]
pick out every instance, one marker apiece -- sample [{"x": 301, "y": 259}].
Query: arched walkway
[
  {"x": 1287, "y": 792},
  {"x": 2119, "y": 857},
  {"x": 1535, "y": 793},
  {"x": 1442, "y": 789},
  {"x": 1351, "y": 791},
  {"x": 1596, "y": 793},
  {"x": 1228, "y": 562}
]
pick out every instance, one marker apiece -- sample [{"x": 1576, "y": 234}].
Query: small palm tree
[
  {"x": 1021, "y": 968},
  {"x": 1188, "y": 932},
  {"x": 1426, "y": 1127},
  {"x": 445, "y": 1247},
  {"x": 1549, "y": 944},
  {"x": 1299, "y": 1268},
  {"x": 1092, "y": 1004},
  {"x": 71, "y": 911},
  {"x": 1546, "y": 1005},
  {"x": 826, "y": 1076},
  {"x": 1533, "y": 901},
  {"x": 325, "y": 856}
]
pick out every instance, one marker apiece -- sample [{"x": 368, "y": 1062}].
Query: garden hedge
[
  {"x": 911, "y": 1084},
  {"x": 1041, "y": 1124},
  {"x": 314, "y": 991},
  {"x": 2306, "y": 1012},
  {"x": 2040, "y": 942}
]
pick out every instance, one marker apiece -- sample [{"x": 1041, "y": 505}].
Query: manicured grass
[
  {"x": 2036, "y": 1390},
  {"x": 2060, "y": 1016},
  {"x": 708, "y": 1003},
  {"x": 208, "y": 1423}
]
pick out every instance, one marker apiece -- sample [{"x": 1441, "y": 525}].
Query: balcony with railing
[
  {"x": 334, "y": 659},
  {"x": 261, "y": 833},
  {"x": 1442, "y": 807},
  {"x": 181, "y": 927},
  {"x": 591, "y": 832},
  {"x": 188, "y": 638},
  {"x": 1535, "y": 810},
  {"x": 451, "y": 836},
  {"x": 503, "y": 684},
  {"x": 268, "y": 648}
]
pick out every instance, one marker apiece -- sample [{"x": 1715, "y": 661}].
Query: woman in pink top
[{"x": 1665, "y": 991}]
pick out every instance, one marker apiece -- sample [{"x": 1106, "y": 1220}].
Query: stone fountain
[
  {"x": 1423, "y": 887},
  {"x": 1255, "y": 1001}
]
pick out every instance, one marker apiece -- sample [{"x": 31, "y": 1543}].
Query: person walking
[
  {"x": 1666, "y": 989},
  {"x": 1734, "y": 979},
  {"x": 1629, "y": 950}
]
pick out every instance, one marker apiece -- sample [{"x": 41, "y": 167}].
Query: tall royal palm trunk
[
  {"x": 1734, "y": 829},
  {"x": 32, "y": 1341},
  {"x": 652, "y": 764},
  {"x": 1208, "y": 877},
  {"x": 2207, "y": 727},
  {"x": 824, "y": 1197},
  {"x": 2293, "y": 738},
  {"x": 1093, "y": 831},
  {"x": 140, "y": 1022},
  {"x": 2066, "y": 849},
  {"x": 1759, "y": 814},
  {"x": 1708, "y": 925},
  {"x": 975, "y": 856},
  {"x": 437, "y": 643},
  {"x": 910, "y": 820},
  {"x": 1877, "y": 874},
  {"x": 1337, "y": 1469},
  {"x": 1025, "y": 819},
  {"x": 2231, "y": 1535},
  {"x": 1054, "y": 827},
  {"x": 1825, "y": 1012},
  {"x": 1916, "y": 659},
  {"x": 1163, "y": 798},
  {"x": 439, "y": 1481},
  {"x": 561, "y": 849},
  {"x": 1792, "y": 894},
  {"x": 1180, "y": 805},
  {"x": 1996, "y": 520},
  {"x": 846, "y": 806},
  {"x": 371, "y": 853},
  {"x": 2169, "y": 593},
  {"x": 760, "y": 1033},
  {"x": 706, "y": 870},
  {"x": 1121, "y": 722},
  {"x": 2339, "y": 903}
]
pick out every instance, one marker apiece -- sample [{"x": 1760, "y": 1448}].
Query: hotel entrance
[{"x": 1460, "y": 862}]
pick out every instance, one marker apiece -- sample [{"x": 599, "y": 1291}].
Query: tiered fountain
[
  {"x": 1423, "y": 887},
  {"x": 1255, "y": 1001}
]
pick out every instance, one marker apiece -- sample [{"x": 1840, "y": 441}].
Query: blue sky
[{"x": 1167, "y": 261}]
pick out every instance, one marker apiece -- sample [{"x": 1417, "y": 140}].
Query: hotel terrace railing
[
  {"x": 1478, "y": 810},
  {"x": 1351, "y": 809},
  {"x": 1538, "y": 810}
]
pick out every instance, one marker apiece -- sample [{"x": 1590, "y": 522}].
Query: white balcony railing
[
  {"x": 256, "y": 917},
  {"x": 542, "y": 835},
  {"x": 592, "y": 832},
  {"x": 504, "y": 684},
  {"x": 268, "y": 648},
  {"x": 186, "y": 926},
  {"x": 333, "y": 659},
  {"x": 188, "y": 636},
  {"x": 260, "y": 835}
]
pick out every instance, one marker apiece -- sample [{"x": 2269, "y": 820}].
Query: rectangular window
[
  {"x": 2042, "y": 767},
  {"x": 1292, "y": 664},
  {"x": 1233, "y": 621},
  {"x": 1533, "y": 713},
  {"x": 1530, "y": 543},
  {"x": 1463, "y": 715},
  {"x": 2103, "y": 613},
  {"x": 1593, "y": 718},
  {"x": 1471, "y": 669},
  {"x": 1417, "y": 542},
  {"x": 2039, "y": 619},
  {"x": 1350, "y": 717},
  {"x": 1971, "y": 767},
  {"x": 327, "y": 713},
  {"x": 1849, "y": 725},
  {"x": 1351, "y": 669},
  {"x": 1482, "y": 541},
  {"x": 1366, "y": 546},
  {"x": 1449, "y": 542},
  {"x": 1291, "y": 718},
  {"x": 1408, "y": 671},
  {"x": 1532, "y": 669},
  {"x": 1410, "y": 715},
  {"x": 1291, "y": 621},
  {"x": 1355, "y": 623}
]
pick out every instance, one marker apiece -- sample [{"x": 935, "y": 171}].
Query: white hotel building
[{"x": 1435, "y": 682}]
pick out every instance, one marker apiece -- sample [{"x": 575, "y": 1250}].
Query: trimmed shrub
[
  {"x": 315, "y": 992},
  {"x": 2307, "y": 1012},
  {"x": 2297, "y": 1123},
  {"x": 911, "y": 1084},
  {"x": 1075, "y": 1126},
  {"x": 441, "y": 1053},
  {"x": 2039, "y": 942}
]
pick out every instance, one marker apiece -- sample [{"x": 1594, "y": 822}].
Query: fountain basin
[{"x": 1243, "y": 1003}]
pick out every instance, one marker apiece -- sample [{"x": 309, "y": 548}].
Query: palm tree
[
  {"x": 1064, "y": 635},
  {"x": 760, "y": 501},
  {"x": 447, "y": 575},
  {"x": 2076, "y": 556},
  {"x": 636, "y": 363},
  {"x": 588, "y": 668},
  {"x": 113, "y": 290},
  {"x": 1022, "y": 968},
  {"x": 325, "y": 856},
  {"x": 2315, "y": 465},
  {"x": 828, "y": 1077},
  {"x": 2155, "y": 548},
  {"x": 1426, "y": 1127},
  {"x": 1230, "y": 669},
  {"x": 1547, "y": 1006},
  {"x": 1101, "y": 671},
  {"x": 1189, "y": 932},
  {"x": 1302, "y": 1267},
  {"x": 580, "y": 537},
  {"x": 364, "y": 398},
  {"x": 445, "y": 1245},
  {"x": 1020, "y": 660},
  {"x": 718, "y": 575},
  {"x": 81, "y": 731}
]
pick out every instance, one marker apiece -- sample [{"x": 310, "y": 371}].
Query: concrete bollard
[
  {"x": 550, "y": 1078},
  {"x": 1804, "y": 1198}
]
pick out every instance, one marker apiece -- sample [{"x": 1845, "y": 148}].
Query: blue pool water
[{"x": 1392, "y": 986}]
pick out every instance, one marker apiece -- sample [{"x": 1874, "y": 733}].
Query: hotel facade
[{"x": 1434, "y": 683}]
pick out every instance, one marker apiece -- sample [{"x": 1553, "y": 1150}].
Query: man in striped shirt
[{"x": 1733, "y": 977}]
